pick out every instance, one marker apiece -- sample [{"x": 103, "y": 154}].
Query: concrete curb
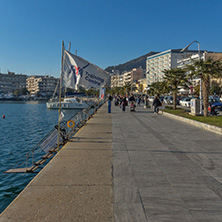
[{"x": 205, "y": 126}]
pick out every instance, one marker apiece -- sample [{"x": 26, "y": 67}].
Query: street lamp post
[{"x": 201, "y": 99}]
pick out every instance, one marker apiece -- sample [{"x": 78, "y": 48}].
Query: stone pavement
[
  {"x": 128, "y": 167},
  {"x": 164, "y": 169}
]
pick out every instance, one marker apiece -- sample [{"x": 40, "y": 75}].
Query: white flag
[{"x": 79, "y": 72}]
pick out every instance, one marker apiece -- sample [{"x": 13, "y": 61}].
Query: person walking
[
  {"x": 124, "y": 104},
  {"x": 156, "y": 103},
  {"x": 146, "y": 102},
  {"x": 109, "y": 103},
  {"x": 138, "y": 101}
]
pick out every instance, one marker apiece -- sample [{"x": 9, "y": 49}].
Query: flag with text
[{"x": 79, "y": 72}]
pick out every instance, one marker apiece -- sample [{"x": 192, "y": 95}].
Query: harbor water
[{"x": 24, "y": 125}]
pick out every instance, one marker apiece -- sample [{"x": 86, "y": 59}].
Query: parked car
[
  {"x": 185, "y": 102},
  {"x": 170, "y": 101},
  {"x": 161, "y": 98},
  {"x": 216, "y": 103},
  {"x": 165, "y": 99},
  {"x": 151, "y": 98}
]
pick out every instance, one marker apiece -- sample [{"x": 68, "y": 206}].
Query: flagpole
[{"x": 60, "y": 93}]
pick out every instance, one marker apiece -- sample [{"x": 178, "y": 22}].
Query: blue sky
[{"x": 105, "y": 32}]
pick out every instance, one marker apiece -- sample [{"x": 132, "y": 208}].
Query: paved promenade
[
  {"x": 165, "y": 170},
  {"x": 128, "y": 167}
]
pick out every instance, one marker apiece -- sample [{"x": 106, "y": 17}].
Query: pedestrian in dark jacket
[
  {"x": 156, "y": 103},
  {"x": 124, "y": 104}
]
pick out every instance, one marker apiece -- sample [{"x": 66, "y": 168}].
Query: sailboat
[
  {"x": 69, "y": 103},
  {"x": 76, "y": 72}
]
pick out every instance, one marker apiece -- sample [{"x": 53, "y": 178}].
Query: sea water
[{"x": 24, "y": 125}]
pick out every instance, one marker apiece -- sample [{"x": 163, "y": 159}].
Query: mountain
[{"x": 128, "y": 66}]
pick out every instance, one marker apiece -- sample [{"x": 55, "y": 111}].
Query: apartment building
[
  {"x": 127, "y": 78},
  {"x": 120, "y": 81},
  {"x": 43, "y": 85},
  {"x": 137, "y": 73},
  {"x": 156, "y": 64},
  {"x": 133, "y": 76},
  {"x": 11, "y": 82},
  {"x": 188, "y": 59},
  {"x": 114, "y": 79},
  {"x": 216, "y": 56}
]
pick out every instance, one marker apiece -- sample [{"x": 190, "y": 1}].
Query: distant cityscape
[
  {"x": 156, "y": 64},
  {"x": 18, "y": 85}
]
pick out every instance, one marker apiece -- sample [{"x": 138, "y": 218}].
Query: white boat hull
[{"x": 64, "y": 105}]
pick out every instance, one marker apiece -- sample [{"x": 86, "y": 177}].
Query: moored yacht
[{"x": 68, "y": 103}]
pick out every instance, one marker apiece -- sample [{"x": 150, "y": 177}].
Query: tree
[
  {"x": 173, "y": 79},
  {"x": 140, "y": 88},
  {"x": 157, "y": 88},
  {"x": 17, "y": 92},
  {"x": 215, "y": 88},
  {"x": 126, "y": 89},
  {"x": 205, "y": 69},
  {"x": 116, "y": 91},
  {"x": 24, "y": 91},
  {"x": 92, "y": 92},
  {"x": 197, "y": 90}
]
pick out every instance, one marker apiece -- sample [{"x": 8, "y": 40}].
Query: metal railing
[{"x": 36, "y": 157}]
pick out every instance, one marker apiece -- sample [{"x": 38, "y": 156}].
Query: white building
[
  {"x": 188, "y": 59},
  {"x": 156, "y": 64}
]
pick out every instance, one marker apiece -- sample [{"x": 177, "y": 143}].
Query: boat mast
[
  {"x": 55, "y": 89},
  {"x": 60, "y": 94}
]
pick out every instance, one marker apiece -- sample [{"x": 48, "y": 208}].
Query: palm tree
[
  {"x": 127, "y": 88},
  {"x": 205, "y": 69},
  {"x": 140, "y": 88},
  {"x": 157, "y": 88},
  {"x": 173, "y": 79}
]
